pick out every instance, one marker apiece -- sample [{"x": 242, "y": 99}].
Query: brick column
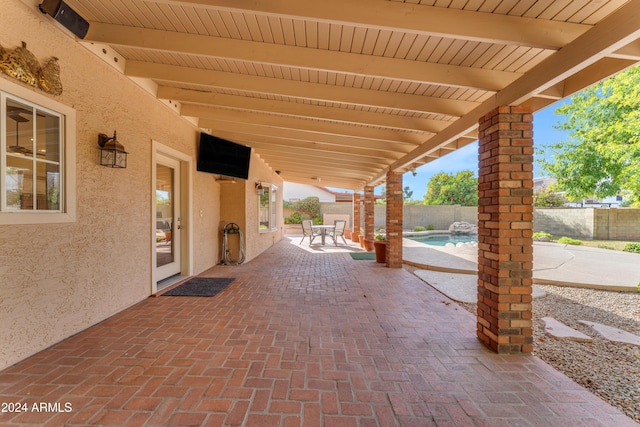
[
  {"x": 369, "y": 216},
  {"x": 505, "y": 223},
  {"x": 356, "y": 212},
  {"x": 394, "y": 220}
]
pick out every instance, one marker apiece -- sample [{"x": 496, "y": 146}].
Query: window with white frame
[
  {"x": 34, "y": 185},
  {"x": 268, "y": 208}
]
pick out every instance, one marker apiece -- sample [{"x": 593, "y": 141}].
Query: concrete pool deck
[{"x": 553, "y": 263}]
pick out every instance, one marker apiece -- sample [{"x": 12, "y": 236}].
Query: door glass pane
[{"x": 164, "y": 215}]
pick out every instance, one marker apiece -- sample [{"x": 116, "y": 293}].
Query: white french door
[{"x": 167, "y": 217}]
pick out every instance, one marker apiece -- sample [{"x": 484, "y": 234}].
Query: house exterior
[
  {"x": 294, "y": 192},
  {"x": 540, "y": 184},
  {"x": 64, "y": 270}
]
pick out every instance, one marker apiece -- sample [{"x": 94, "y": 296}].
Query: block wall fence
[{"x": 579, "y": 223}]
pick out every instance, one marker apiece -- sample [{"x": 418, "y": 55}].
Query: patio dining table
[{"x": 323, "y": 229}]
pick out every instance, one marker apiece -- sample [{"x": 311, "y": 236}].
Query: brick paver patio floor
[{"x": 303, "y": 337}]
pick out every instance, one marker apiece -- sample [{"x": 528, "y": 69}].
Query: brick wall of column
[
  {"x": 369, "y": 216},
  {"x": 505, "y": 222},
  {"x": 356, "y": 212},
  {"x": 394, "y": 219}
]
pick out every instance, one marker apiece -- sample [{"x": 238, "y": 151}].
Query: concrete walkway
[{"x": 553, "y": 263}]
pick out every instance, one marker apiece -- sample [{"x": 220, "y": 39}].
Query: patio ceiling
[{"x": 343, "y": 91}]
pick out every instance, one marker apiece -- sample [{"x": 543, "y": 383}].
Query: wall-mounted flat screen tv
[{"x": 222, "y": 157}]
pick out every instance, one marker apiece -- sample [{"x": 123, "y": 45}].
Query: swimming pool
[{"x": 443, "y": 239}]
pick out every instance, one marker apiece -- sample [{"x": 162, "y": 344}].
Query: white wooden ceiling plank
[
  {"x": 506, "y": 7},
  {"x": 219, "y": 24},
  {"x": 605, "y": 9},
  {"x": 277, "y": 31},
  {"x": 323, "y": 35},
  {"x": 264, "y": 26},
  {"x": 358, "y": 39},
  {"x": 370, "y": 41},
  {"x": 553, "y": 9},
  {"x": 250, "y": 26},
  {"x": 346, "y": 39},
  {"x": 520, "y": 57},
  {"x": 230, "y": 25},
  {"x": 311, "y": 34},
  {"x": 405, "y": 45},
  {"x": 300, "y": 31},
  {"x": 169, "y": 20},
  {"x": 452, "y": 51},
  {"x": 196, "y": 21},
  {"x": 288, "y": 31},
  {"x": 473, "y": 51},
  {"x": 335, "y": 36},
  {"x": 426, "y": 53},
  {"x": 570, "y": 10},
  {"x": 473, "y": 5},
  {"x": 393, "y": 44},
  {"x": 207, "y": 22}
]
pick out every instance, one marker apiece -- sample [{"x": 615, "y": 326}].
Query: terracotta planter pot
[
  {"x": 347, "y": 233},
  {"x": 361, "y": 240},
  {"x": 355, "y": 236},
  {"x": 381, "y": 250},
  {"x": 368, "y": 245}
]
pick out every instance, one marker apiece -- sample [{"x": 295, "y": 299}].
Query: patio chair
[
  {"x": 307, "y": 231},
  {"x": 338, "y": 231}
]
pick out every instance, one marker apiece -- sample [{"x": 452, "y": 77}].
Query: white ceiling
[{"x": 346, "y": 90}]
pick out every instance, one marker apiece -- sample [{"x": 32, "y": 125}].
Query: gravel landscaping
[{"x": 608, "y": 369}]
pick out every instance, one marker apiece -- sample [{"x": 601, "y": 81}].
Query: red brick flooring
[{"x": 303, "y": 337}]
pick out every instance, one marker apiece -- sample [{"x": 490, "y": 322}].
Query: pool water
[{"x": 443, "y": 239}]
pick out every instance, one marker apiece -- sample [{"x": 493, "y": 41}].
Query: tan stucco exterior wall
[{"x": 58, "y": 279}]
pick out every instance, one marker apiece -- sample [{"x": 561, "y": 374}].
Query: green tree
[
  {"x": 407, "y": 193},
  {"x": 602, "y": 155},
  {"x": 547, "y": 198},
  {"x": 449, "y": 189}
]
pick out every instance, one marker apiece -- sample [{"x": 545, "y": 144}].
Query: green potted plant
[{"x": 380, "y": 246}]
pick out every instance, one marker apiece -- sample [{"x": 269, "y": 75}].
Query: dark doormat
[
  {"x": 200, "y": 287},
  {"x": 363, "y": 255}
]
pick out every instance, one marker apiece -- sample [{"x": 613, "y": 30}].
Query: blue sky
[{"x": 466, "y": 158}]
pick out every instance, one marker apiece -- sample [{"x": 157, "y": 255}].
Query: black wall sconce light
[
  {"x": 112, "y": 153},
  {"x": 259, "y": 188}
]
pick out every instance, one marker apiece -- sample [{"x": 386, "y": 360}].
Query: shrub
[
  {"x": 632, "y": 247},
  {"x": 569, "y": 241},
  {"x": 430, "y": 227},
  {"x": 419, "y": 228},
  {"x": 295, "y": 218},
  {"x": 541, "y": 234}
]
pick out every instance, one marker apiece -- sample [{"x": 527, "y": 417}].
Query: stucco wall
[
  {"x": 57, "y": 279},
  {"x": 256, "y": 241}
]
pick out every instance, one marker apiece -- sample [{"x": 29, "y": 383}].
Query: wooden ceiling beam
[
  {"x": 259, "y": 140},
  {"x": 250, "y": 129},
  {"x": 296, "y": 89},
  {"x": 300, "y": 57},
  {"x": 243, "y": 118},
  {"x": 297, "y": 109},
  {"x": 416, "y": 18}
]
